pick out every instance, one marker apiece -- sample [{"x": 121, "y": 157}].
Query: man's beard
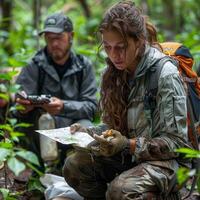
[{"x": 59, "y": 55}]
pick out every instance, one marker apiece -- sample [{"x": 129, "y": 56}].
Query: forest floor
[{"x": 19, "y": 185}]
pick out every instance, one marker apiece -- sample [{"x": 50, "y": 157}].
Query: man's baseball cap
[{"x": 57, "y": 23}]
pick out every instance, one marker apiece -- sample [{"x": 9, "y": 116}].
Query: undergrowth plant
[{"x": 13, "y": 157}]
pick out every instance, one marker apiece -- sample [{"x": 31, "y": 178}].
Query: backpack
[{"x": 179, "y": 55}]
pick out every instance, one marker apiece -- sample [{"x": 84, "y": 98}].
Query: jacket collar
[
  {"x": 150, "y": 57},
  {"x": 41, "y": 60}
]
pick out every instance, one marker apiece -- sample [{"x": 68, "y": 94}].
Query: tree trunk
[
  {"x": 6, "y": 22},
  {"x": 36, "y": 18},
  {"x": 169, "y": 13},
  {"x": 85, "y": 7}
]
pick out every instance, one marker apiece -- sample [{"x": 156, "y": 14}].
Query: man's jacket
[
  {"x": 156, "y": 142},
  {"x": 77, "y": 88}
]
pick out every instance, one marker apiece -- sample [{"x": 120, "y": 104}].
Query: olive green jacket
[{"x": 156, "y": 142}]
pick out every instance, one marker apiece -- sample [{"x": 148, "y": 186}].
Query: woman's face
[{"x": 122, "y": 55}]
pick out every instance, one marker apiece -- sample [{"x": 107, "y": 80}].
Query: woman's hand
[
  {"x": 77, "y": 127},
  {"x": 110, "y": 143}
]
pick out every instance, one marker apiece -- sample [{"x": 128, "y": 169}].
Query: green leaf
[
  {"x": 14, "y": 62},
  {"x": 15, "y": 139},
  {"x": 4, "y": 96},
  {"x": 29, "y": 156},
  {"x": 19, "y": 107},
  {"x": 12, "y": 121},
  {"x": 12, "y": 108},
  {"x": 14, "y": 88},
  {"x": 182, "y": 175},
  {"x": 4, "y": 192},
  {"x": 6, "y": 127},
  {"x": 16, "y": 166},
  {"x": 6, "y": 145},
  {"x": 4, "y": 153},
  {"x": 11, "y": 198},
  {"x": 5, "y": 76},
  {"x": 35, "y": 169},
  {"x": 25, "y": 125},
  {"x": 3, "y": 88},
  {"x": 190, "y": 153},
  {"x": 2, "y": 133},
  {"x": 34, "y": 184},
  {"x": 16, "y": 134}
]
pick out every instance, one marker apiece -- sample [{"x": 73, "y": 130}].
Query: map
[{"x": 64, "y": 136}]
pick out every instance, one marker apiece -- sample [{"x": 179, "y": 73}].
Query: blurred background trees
[{"x": 20, "y": 20}]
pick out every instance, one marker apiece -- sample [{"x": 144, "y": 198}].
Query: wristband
[{"x": 132, "y": 145}]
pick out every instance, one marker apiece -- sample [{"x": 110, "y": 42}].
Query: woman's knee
[
  {"x": 72, "y": 167},
  {"x": 121, "y": 190},
  {"x": 114, "y": 191},
  {"x": 69, "y": 170}
]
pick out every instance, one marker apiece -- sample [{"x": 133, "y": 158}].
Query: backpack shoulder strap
[
  {"x": 37, "y": 60},
  {"x": 80, "y": 73},
  {"x": 41, "y": 76},
  {"x": 152, "y": 78}
]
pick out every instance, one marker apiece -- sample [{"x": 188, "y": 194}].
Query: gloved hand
[{"x": 110, "y": 144}]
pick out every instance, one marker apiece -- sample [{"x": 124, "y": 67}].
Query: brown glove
[{"x": 110, "y": 143}]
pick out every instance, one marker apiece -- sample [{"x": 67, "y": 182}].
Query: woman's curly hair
[{"x": 128, "y": 21}]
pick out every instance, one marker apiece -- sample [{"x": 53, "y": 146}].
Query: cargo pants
[{"x": 115, "y": 178}]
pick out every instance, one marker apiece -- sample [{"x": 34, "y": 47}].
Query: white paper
[{"x": 64, "y": 136}]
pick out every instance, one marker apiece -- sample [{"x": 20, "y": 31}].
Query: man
[{"x": 57, "y": 71}]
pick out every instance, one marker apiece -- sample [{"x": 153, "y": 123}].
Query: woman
[{"x": 138, "y": 161}]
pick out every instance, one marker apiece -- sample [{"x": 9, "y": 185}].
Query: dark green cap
[{"x": 57, "y": 23}]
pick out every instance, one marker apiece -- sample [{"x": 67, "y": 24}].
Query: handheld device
[{"x": 35, "y": 99}]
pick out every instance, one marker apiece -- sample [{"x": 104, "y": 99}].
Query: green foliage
[
  {"x": 5, "y": 192},
  {"x": 34, "y": 184},
  {"x": 189, "y": 153},
  {"x": 7, "y": 195},
  {"x": 15, "y": 165},
  {"x": 11, "y": 154},
  {"x": 184, "y": 174}
]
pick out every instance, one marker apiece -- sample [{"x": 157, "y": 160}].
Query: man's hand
[
  {"x": 54, "y": 107},
  {"x": 110, "y": 144},
  {"x": 26, "y": 104},
  {"x": 3, "y": 103}
]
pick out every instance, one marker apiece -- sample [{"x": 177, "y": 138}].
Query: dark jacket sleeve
[
  {"x": 86, "y": 105},
  {"x": 28, "y": 78}
]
